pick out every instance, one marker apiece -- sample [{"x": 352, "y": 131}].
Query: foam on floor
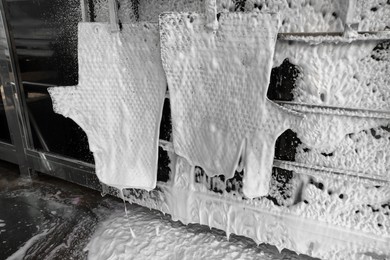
[
  {"x": 118, "y": 101},
  {"x": 218, "y": 84},
  {"x": 157, "y": 237}
]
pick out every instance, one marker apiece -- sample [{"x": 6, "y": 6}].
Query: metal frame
[
  {"x": 64, "y": 168},
  {"x": 22, "y": 151},
  {"x": 8, "y": 152},
  {"x": 14, "y": 104}
]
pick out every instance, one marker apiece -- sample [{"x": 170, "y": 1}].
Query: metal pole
[
  {"x": 85, "y": 11},
  {"x": 114, "y": 19}
]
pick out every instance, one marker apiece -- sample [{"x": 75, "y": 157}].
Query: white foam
[
  {"x": 118, "y": 101},
  {"x": 218, "y": 84},
  {"x": 174, "y": 241}
]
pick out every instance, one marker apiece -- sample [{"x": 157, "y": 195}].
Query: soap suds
[
  {"x": 300, "y": 226},
  {"x": 328, "y": 15},
  {"x": 121, "y": 77},
  {"x": 149, "y": 10},
  {"x": 296, "y": 16},
  {"x": 327, "y": 131},
  {"x": 343, "y": 75},
  {"x": 21, "y": 252},
  {"x": 344, "y": 202},
  {"x": 304, "y": 16},
  {"x": 173, "y": 241},
  {"x": 217, "y": 85},
  {"x": 364, "y": 151},
  {"x": 373, "y": 15},
  {"x": 126, "y": 11},
  {"x": 281, "y": 192}
]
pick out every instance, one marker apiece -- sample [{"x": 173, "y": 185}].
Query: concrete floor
[{"x": 46, "y": 218}]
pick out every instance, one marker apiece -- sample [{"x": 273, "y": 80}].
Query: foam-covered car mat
[
  {"x": 218, "y": 84},
  {"x": 118, "y": 101}
]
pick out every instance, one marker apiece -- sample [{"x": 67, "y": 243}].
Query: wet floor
[{"x": 47, "y": 218}]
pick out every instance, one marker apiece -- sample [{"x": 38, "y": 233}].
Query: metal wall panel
[{"x": 11, "y": 90}]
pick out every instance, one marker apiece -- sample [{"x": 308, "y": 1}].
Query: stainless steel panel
[
  {"x": 8, "y": 153},
  {"x": 31, "y": 22},
  {"x": 64, "y": 168},
  {"x": 12, "y": 90}
]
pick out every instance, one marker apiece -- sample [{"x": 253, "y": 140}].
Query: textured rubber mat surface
[
  {"x": 118, "y": 101},
  {"x": 218, "y": 84}
]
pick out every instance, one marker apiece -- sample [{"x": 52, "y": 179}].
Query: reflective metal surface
[
  {"x": 8, "y": 152},
  {"x": 45, "y": 36},
  {"x": 11, "y": 90},
  {"x": 4, "y": 131},
  {"x": 64, "y": 168}
]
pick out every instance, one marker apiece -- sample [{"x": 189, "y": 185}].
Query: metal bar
[
  {"x": 32, "y": 43},
  {"x": 17, "y": 79},
  {"x": 211, "y": 15},
  {"x": 62, "y": 160},
  {"x": 330, "y": 110},
  {"x": 334, "y": 37},
  {"x": 34, "y": 52},
  {"x": 320, "y": 170},
  {"x": 334, "y": 110},
  {"x": 114, "y": 18},
  {"x": 41, "y": 34},
  {"x": 321, "y": 34},
  {"x": 8, "y": 153},
  {"x": 67, "y": 169},
  {"x": 38, "y": 131},
  {"x": 85, "y": 11},
  {"x": 38, "y": 84}
]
